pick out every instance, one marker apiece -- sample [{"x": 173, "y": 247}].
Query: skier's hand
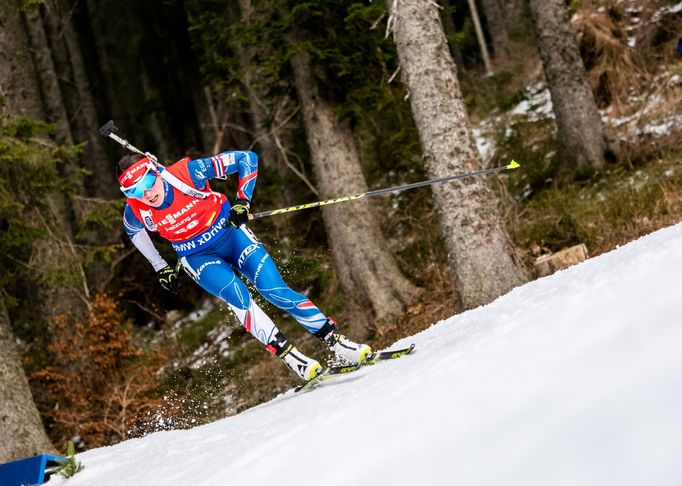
[
  {"x": 239, "y": 214},
  {"x": 168, "y": 278}
]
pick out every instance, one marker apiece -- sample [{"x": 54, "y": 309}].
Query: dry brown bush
[
  {"x": 624, "y": 43},
  {"x": 98, "y": 386},
  {"x": 616, "y": 71}
]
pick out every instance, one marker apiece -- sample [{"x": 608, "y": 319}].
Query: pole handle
[{"x": 108, "y": 128}]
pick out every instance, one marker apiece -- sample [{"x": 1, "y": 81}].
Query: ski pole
[
  {"x": 352, "y": 197},
  {"x": 109, "y": 129}
]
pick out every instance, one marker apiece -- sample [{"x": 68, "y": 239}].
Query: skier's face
[{"x": 154, "y": 196}]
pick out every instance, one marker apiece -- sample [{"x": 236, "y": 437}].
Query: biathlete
[{"x": 211, "y": 239}]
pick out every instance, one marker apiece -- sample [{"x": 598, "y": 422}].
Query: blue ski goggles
[{"x": 144, "y": 183}]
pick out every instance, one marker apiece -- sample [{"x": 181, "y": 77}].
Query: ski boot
[
  {"x": 342, "y": 347},
  {"x": 306, "y": 368}
]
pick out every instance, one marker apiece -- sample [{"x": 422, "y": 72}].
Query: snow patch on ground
[
  {"x": 659, "y": 114},
  {"x": 536, "y": 105}
]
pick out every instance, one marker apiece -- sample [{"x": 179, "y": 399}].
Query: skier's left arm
[{"x": 243, "y": 162}]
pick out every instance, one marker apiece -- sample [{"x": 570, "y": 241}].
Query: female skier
[{"x": 211, "y": 239}]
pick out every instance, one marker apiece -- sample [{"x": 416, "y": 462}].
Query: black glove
[
  {"x": 239, "y": 214},
  {"x": 168, "y": 278}
]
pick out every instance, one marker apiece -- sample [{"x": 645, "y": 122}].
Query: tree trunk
[
  {"x": 153, "y": 118},
  {"x": 367, "y": 271},
  {"x": 512, "y": 12},
  {"x": 478, "y": 246},
  {"x": 108, "y": 78},
  {"x": 495, "y": 19},
  {"x": 47, "y": 75},
  {"x": 86, "y": 120},
  {"x": 19, "y": 90},
  {"x": 581, "y": 132},
  {"x": 21, "y": 430}
]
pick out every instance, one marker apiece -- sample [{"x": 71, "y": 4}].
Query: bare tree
[
  {"x": 583, "y": 136},
  {"x": 479, "y": 249},
  {"x": 479, "y": 35},
  {"x": 368, "y": 273}
]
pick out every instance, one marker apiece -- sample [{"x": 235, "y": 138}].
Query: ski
[
  {"x": 377, "y": 356},
  {"x": 327, "y": 373},
  {"x": 372, "y": 359}
]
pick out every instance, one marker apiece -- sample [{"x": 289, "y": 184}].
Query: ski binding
[{"x": 372, "y": 359}]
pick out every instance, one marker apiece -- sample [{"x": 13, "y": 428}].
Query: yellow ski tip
[{"x": 513, "y": 165}]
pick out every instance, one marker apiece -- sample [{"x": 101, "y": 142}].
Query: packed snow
[{"x": 573, "y": 379}]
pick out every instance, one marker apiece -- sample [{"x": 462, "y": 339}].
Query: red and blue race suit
[{"x": 211, "y": 249}]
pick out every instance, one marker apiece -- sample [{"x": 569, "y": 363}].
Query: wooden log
[{"x": 548, "y": 264}]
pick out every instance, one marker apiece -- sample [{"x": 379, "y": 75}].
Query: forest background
[{"x": 109, "y": 355}]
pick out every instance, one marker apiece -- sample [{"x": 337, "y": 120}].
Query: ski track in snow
[{"x": 573, "y": 379}]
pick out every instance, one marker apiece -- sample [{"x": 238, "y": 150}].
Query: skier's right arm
[
  {"x": 140, "y": 238},
  {"x": 168, "y": 277}
]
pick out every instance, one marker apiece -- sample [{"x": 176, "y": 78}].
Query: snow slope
[{"x": 574, "y": 379}]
